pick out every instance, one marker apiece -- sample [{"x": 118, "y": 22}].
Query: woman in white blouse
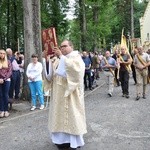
[{"x": 34, "y": 74}]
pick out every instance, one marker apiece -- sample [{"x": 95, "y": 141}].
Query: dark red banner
[{"x": 49, "y": 40}]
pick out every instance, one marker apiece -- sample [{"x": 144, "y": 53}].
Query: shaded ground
[{"x": 113, "y": 123}]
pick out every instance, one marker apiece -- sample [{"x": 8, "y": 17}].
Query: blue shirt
[
  {"x": 110, "y": 61},
  {"x": 87, "y": 62}
]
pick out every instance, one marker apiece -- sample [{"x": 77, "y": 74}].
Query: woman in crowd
[
  {"x": 5, "y": 73},
  {"x": 34, "y": 74}
]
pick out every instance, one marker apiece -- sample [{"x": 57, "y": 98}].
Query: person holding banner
[
  {"x": 67, "y": 122},
  {"x": 141, "y": 63},
  {"x": 124, "y": 60},
  {"x": 115, "y": 56},
  {"x": 148, "y": 52},
  {"x": 109, "y": 64},
  {"x": 135, "y": 51}
]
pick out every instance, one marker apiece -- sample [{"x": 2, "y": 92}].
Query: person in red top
[{"x": 5, "y": 73}]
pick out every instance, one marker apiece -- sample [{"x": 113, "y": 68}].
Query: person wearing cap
[
  {"x": 67, "y": 123},
  {"x": 34, "y": 74}
]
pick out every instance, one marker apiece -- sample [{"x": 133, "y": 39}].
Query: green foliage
[
  {"x": 104, "y": 21},
  {"x": 74, "y": 33},
  {"x": 122, "y": 18},
  {"x": 11, "y": 23},
  {"x": 98, "y": 23},
  {"x": 53, "y": 14},
  {"x": 107, "y": 26}
]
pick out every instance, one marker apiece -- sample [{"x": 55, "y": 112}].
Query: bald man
[
  {"x": 141, "y": 63},
  {"x": 108, "y": 64}
]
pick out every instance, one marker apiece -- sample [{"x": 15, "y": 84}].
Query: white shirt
[
  {"x": 15, "y": 65},
  {"x": 61, "y": 70},
  {"x": 34, "y": 71}
]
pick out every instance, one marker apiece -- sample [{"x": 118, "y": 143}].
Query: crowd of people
[
  {"x": 11, "y": 66},
  {"x": 67, "y": 74},
  {"x": 117, "y": 69}
]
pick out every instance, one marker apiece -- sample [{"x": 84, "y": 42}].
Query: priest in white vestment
[{"x": 67, "y": 122}]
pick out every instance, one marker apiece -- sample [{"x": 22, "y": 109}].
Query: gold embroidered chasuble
[{"x": 67, "y": 110}]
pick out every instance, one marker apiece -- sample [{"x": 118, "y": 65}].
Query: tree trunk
[
  {"x": 8, "y": 23},
  {"x": 82, "y": 24},
  {"x": 37, "y": 28},
  {"x": 95, "y": 24},
  {"x": 0, "y": 28},
  {"x": 32, "y": 35},
  {"x": 0, "y": 39},
  {"x": 132, "y": 19},
  {"x": 15, "y": 23}
]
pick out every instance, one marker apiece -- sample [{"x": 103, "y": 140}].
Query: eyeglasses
[{"x": 63, "y": 46}]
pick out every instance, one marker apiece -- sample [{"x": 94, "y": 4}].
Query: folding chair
[{"x": 47, "y": 95}]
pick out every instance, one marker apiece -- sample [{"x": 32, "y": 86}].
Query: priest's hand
[{"x": 58, "y": 53}]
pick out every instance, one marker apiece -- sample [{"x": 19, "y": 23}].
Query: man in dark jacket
[{"x": 87, "y": 62}]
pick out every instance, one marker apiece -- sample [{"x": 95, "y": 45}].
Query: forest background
[{"x": 97, "y": 24}]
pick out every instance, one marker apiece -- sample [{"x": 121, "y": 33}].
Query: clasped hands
[
  {"x": 1, "y": 81},
  {"x": 140, "y": 67},
  {"x": 121, "y": 62},
  {"x": 31, "y": 78},
  {"x": 108, "y": 66}
]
